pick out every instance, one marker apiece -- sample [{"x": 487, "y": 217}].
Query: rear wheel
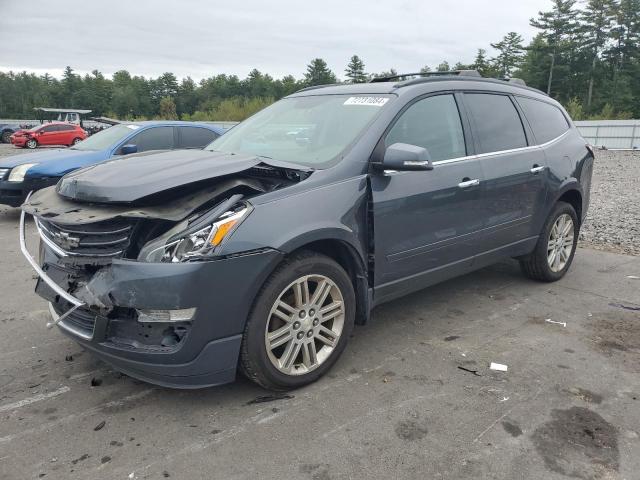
[
  {"x": 300, "y": 323},
  {"x": 556, "y": 246},
  {"x": 76, "y": 140},
  {"x": 31, "y": 143},
  {"x": 6, "y": 136}
]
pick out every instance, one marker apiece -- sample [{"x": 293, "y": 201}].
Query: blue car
[{"x": 21, "y": 174}]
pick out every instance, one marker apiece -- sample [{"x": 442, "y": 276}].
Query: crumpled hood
[
  {"x": 127, "y": 180},
  {"x": 47, "y": 156}
]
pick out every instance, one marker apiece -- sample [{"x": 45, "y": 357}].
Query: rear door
[
  {"x": 195, "y": 137},
  {"x": 514, "y": 169},
  {"x": 427, "y": 221}
]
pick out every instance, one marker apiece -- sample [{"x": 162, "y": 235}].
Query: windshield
[
  {"x": 106, "y": 138},
  {"x": 312, "y": 131}
]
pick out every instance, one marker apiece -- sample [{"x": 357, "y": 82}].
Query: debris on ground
[
  {"x": 68, "y": 358},
  {"x": 99, "y": 426},
  {"x": 498, "y": 366},
  {"x": 96, "y": 382},
  {"x": 270, "y": 398},
  {"x": 475, "y": 372},
  {"x": 548, "y": 320},
  {"x": 633, "y": 277}
]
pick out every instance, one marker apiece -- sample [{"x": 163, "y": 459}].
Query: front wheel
[
  {"x": 300, "y": 323},
  {"x": 31, "y": 143},
  {"x": 6, "y": 137},
  {"x": 556, "y": 246}
]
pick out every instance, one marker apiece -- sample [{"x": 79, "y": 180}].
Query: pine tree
[
  {"x": 318, "y": 73},
  {"x": 510, "y": 53},
  {"x": 597, "y": 20},
  {"x": 355, "y": 70},
  {"x": 558, "y": 30}
]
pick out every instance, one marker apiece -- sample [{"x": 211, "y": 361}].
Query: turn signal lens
[{"x": 222, "y": 231}]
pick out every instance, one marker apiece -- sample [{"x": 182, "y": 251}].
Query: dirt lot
[{"x": 412, "y": 396}]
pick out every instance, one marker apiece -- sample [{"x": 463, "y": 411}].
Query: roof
[
  {"x": 399, "y": 87},
  {"x": 62, "y": 110}
]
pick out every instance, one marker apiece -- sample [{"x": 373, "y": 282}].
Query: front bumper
[
  {"x": 15, "y": 193},
  {"x": 221, "y": 290}
]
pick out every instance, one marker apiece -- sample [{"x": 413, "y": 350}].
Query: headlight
[
  {"x": 17, "y": 174},
  {"x": 199, "y": 243}
]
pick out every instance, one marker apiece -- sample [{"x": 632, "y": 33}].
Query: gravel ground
[{"x": 613, "y": 221}]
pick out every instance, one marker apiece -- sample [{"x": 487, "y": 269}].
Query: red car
[{"x": 54, "y": 133}]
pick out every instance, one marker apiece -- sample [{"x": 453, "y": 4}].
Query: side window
[
  {"x": 196, "y": 137},
  {"x": 433, "y": 123},
  {"x": 547, "y": 121},
  {"x": 66, "y": 128},
  {"x": 156, "y": 138},
  {"x": 497, "y": 123},
  {"x": 49, "y": 129}
]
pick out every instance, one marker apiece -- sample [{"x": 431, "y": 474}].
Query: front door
[{"x": 426, "y": 222}]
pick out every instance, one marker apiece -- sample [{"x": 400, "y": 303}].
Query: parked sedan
[
  {"x": 54, "y": 133},
  {"x": 21, "y": 174}
]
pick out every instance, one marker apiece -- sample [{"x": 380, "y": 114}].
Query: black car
[{"x": 263, "y": 250}]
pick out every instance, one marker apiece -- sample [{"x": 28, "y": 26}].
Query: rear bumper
[{"x": 104, "y": 309}]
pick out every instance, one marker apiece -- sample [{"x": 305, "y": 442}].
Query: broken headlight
[{"x": 194, "y": 242}]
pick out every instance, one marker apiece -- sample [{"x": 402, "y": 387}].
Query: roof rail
[
  {"x": 315, "y": 87},
  {"x": 460, "y": 73}
]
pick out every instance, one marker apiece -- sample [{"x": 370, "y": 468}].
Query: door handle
[
  {"x": 537, "y": 169},
  {"x": 469, "y": 183}
]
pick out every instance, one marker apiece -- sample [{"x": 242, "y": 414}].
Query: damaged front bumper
[{"x": 100, "y": 309}]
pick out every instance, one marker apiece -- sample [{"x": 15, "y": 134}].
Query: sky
[{"x": 204, "y": 38}]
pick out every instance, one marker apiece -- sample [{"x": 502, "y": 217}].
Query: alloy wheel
[
  {"x": 560, "y": 243},
  {"x": 305, "y": 324}
]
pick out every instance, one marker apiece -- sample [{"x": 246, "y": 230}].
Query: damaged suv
[{"x": 263, "y": 250}]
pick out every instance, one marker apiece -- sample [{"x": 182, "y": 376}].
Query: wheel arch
[
  {"x": 349, "y": 256},
  {"x": 571, "y": 194}
]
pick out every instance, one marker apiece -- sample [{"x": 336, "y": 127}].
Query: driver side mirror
[
  {"x": 406, "y": 157},
  {"x": 128, "y": 149}
]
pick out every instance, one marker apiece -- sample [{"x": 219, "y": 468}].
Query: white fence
[{"x": 612, "y": 134}]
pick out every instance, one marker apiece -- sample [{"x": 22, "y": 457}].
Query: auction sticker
[{"x": 368, "y": 101}]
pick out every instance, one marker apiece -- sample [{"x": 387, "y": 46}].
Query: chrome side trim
[
  {"x": 500, "y": 152},
  {"x": 59, "y": 320},
  {"x": 53, "y": 285}
]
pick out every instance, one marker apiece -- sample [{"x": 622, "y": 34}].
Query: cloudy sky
[{"x": 202, "y": 38}]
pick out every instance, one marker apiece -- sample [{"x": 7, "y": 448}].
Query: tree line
[{"x": 587, "y": 57}]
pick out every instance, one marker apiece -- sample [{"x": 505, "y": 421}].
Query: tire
[
  {"x": 31, "y": 143},
  {"x": 76, "y": 140},
  {"x": 542, "y": 264},
  {"x": 6, "y": 136},
  {"x": 307, "y": 346}
]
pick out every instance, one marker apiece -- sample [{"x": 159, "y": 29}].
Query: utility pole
[{"x": 553, "y": 62}]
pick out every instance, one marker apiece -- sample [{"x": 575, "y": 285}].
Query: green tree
[
  {"x": 596, "y": 22},
  {"x": 168, "y": 109},
  {"x": 318, "y": 73},
  {"x": 510, "y": 53},
  {"x": 443, "y": 67},
  {"x": 355, "y": 70}
]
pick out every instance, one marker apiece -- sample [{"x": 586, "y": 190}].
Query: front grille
[
  {"x": 109, "y": 238},
  {"x": 3, "y": 172}
]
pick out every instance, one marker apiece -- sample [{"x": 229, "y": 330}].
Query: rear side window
[
  {"x": 66, "y": 128},
  {"x": 156, "y": 138},
  {"x": 433, "y": 123},
  {"x": 196, "y": 137},
  {"x": 497, "y": 122},
  {"x": 547, "y": 121}
]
